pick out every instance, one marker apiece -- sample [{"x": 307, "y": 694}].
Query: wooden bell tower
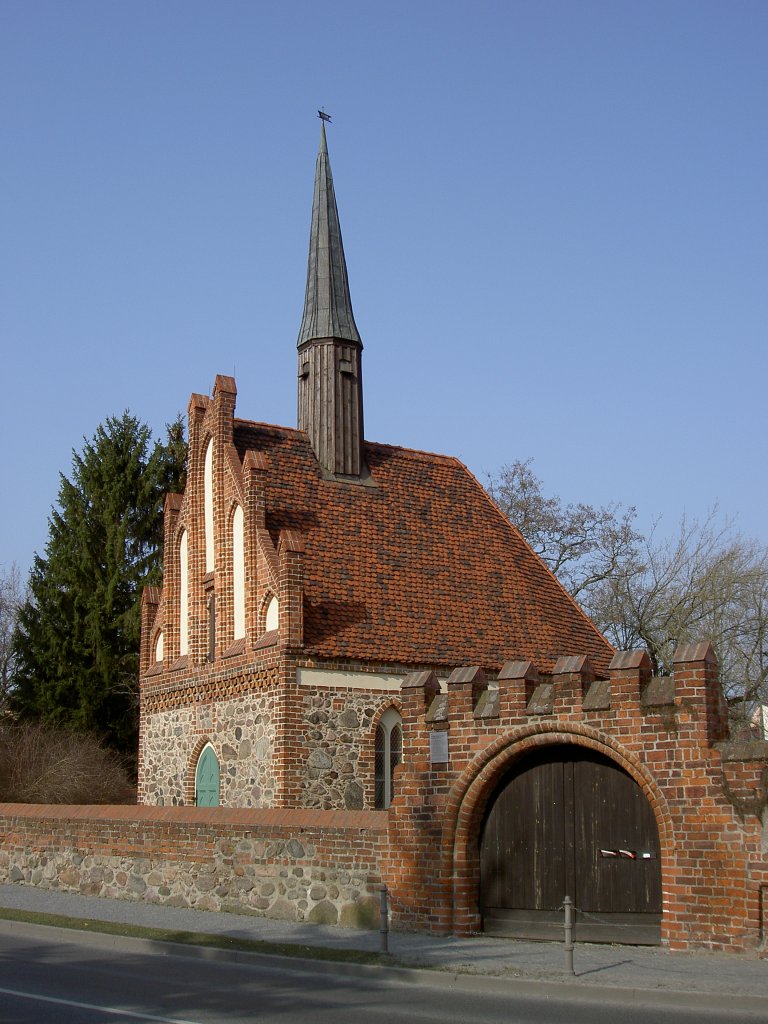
[{"x": 330, "y": 349}]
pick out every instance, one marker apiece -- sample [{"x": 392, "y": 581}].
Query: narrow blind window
[
  {"x": 208, "y": 507},
  {"x": 238, "y": 573},
  {"x": 381, "y": 774},
  {"x": 395, "y": 757},
  {"x": 212, "y": 627},
  {"x": 183, "y": 595}
]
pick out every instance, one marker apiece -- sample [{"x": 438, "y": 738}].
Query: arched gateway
[{"x": 569, "y": 821}]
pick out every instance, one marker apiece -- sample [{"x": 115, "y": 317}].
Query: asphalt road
[{"x": 89, "y": 979}]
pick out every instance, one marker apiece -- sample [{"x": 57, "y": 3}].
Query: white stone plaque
[{"x": 438, "y": 747}]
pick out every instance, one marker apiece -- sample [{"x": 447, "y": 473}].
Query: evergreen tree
[{"x": 77, "y": 639}]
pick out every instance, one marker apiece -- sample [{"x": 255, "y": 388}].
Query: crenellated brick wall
[{"x": 709, "y": 798}]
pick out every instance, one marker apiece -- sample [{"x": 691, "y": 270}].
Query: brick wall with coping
[{"x": 293, "y": 865}]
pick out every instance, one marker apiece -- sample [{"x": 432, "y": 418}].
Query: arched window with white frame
[
  {"x": 183, "y": 595},
  {"x": 238, "y": 572},
  {"x": 388, "y": 755},
  {"x": 208, "y": 507}
]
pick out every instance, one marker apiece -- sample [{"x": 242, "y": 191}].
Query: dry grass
[
  {"x": 204, "y": 939},
  {"x": 41, "y": 765}
]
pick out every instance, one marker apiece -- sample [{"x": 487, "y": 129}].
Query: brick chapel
[{"x": 350, "y": 627}]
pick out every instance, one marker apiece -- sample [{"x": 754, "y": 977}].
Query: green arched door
[{"x": 207, "y": 779}]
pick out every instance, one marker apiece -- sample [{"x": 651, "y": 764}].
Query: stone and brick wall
[
  {"x": 242, "y": 732},
  {"x": 340, "y": 735},
  {"x": 337, "y": 749},
  {"x": 227, "y": 703},
  {"x": 709, "y": 797},
  {"x": 297, "y": 866},
  {"x": 278, "y": 743}
]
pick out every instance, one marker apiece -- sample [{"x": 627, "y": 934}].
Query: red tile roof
[{"x": 421, "y": 568}]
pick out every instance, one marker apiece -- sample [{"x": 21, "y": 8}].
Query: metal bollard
[
  {"x": 568, "y": 907},
  {"x": 384, "y": 919}
]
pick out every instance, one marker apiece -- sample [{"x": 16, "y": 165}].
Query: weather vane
[{"x": 323, "y": 116}]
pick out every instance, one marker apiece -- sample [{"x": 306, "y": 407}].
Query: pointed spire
[
  {"x": 330, "y": 350},
  {"x": 327, "y": 304}
]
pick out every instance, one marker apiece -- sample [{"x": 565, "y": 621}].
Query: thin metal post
[
  {"x": 384, "y": 919},
  {"x": 568, "y": 907}
]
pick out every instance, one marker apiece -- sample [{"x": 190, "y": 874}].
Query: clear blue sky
[{"x": 554, "y": 216}]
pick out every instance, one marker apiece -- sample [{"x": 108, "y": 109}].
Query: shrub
[{"x": 43, "y": 765}]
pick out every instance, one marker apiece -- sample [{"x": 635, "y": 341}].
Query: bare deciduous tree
[
  {"x": 706, "y": 582},
  {"x": 581, "y": 544},
  {"x": 12, "y": 596}
]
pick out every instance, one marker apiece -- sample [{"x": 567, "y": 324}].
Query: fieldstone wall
[
  {"x": 339, "y": 738},
  {"x": 241, "y": 731},
  {"x": 316, "y": 867}
]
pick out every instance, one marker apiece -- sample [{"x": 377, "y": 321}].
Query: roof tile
[{"x": 421, "y": 568}]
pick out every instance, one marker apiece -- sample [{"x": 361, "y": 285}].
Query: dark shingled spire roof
[{"x": 327, "y": 305}]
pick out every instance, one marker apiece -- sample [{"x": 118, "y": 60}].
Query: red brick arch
[
  {"x": 267, "y": 596},
  {"x": 472, "y": 791},
  {"x": 390, "y": 702},
  {"x": 233, "y": 503},
  {"x": 367, "y": 761}
]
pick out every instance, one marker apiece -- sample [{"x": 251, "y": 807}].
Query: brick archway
[
  {"x": 367, "y": 761},
  {"x": 470, "y": 796},
  {"x": 190, "y": 776}
]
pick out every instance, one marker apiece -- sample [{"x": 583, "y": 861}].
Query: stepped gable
[{"x": 420, "y": 568}]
